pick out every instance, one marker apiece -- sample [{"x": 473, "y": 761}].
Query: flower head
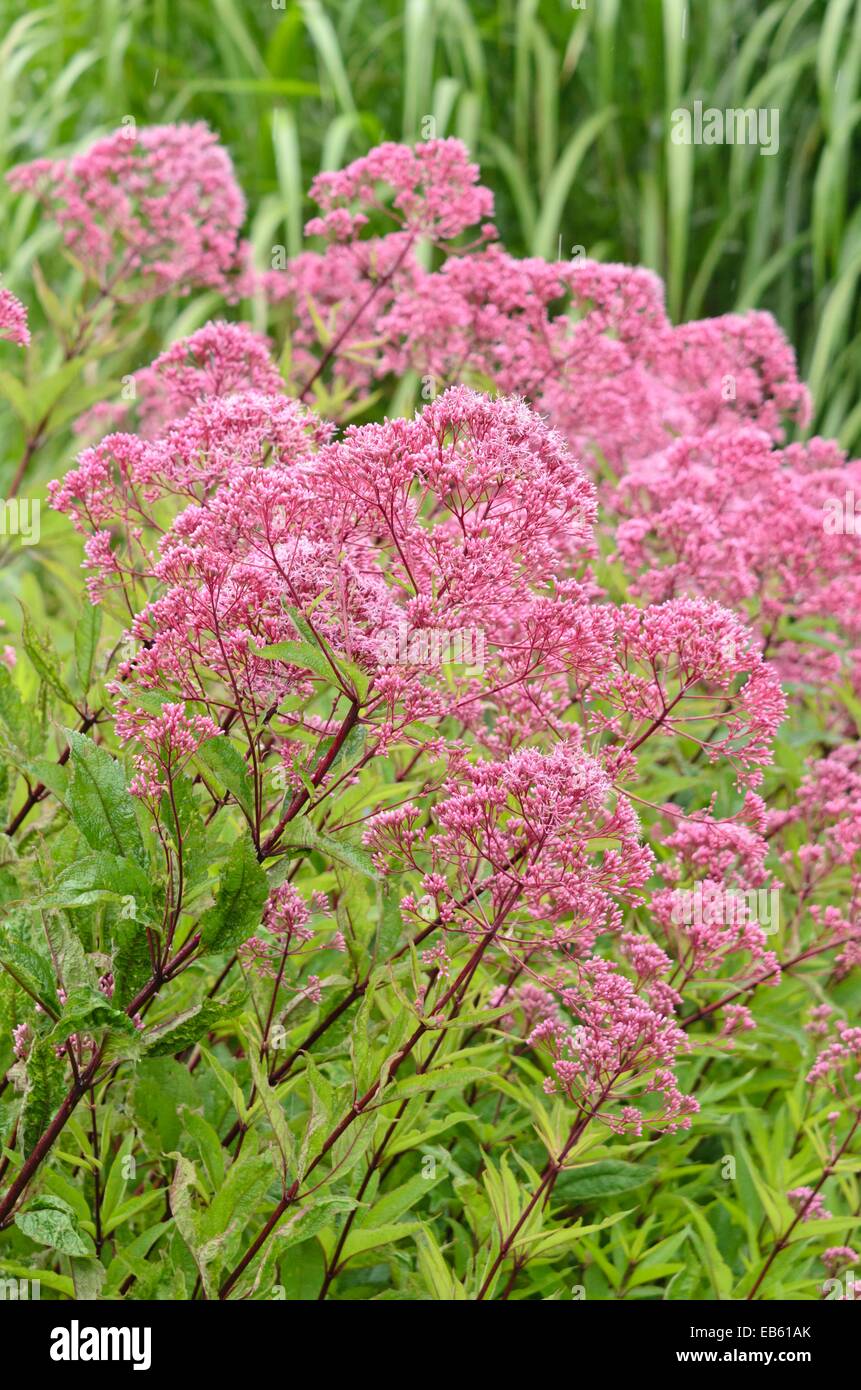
[
  {"x": 13, "y": 320},
  {"x": 145, "y": 211}
]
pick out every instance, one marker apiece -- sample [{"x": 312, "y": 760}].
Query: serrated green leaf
[
  {"x": 176, "y": 1034},
  {"x": 51, "y": 1221},
  {"x": 99, "y": 801},
  {"x": 242, "y": 891},
  {"x": 86, "y": 1009},
  {"x": 97, "y": 877},
  {"x": 45, "y": 1087},
  {"x": 29, "y": 968}
]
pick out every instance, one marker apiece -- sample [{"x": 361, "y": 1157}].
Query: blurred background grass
[{"x": 567, "y": 109}]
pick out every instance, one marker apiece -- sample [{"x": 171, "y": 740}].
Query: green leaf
[
  {"x": 199, "y": 850},
  {"x": 87, "y": 632},
  {"x": 359, "y": 1240},
  {"x": 31, "y": 969},
  {"x": 176, "y": 1034},
  {"x": 359, "y": 1043},
  {"x": 187, "y": 1218},
  {"x": 14, "y": 714},
  {"x": 242, "y": 891},
  {"x": 438, "y": 1278},
  {"x": 319, "y": 1116},
  {"x": 300, "y": 1225},
  {"x": 825, "y": 1226},
  {"x": 73, "y": 966},
  {"x": 97, "y": 878},
  {"x": 209, "y": 1145},
  {"x": 606, "y": 1179},
  {"x": 44, "y": 660},
  {"x": 224, "y": 759},
  {"x": 115, "y": 1187},
  {"x": 133, "y": 1207},
  {"x": 272, "y": 1106},
  {"x": 57, "y": 313},
  {"x": 131, "y": 1258},
  {"x": 51, "y": 1221},
  {"x": 720, "y": 1276},
  {"x": 51, "y": 387},
  {"x": 441, "y": 1079},
  {"x": 302, "y": 1271},
  {"x": 233, "y": 1205},
  {"x": 315, "y": 654},
  {"x": 132, "y": 965},
  {"x": 306, "y": 655},
  {"x": 228, "y": 1083},
  {"x": 392, "y": 1205},
  {"x": 55, "y": 776},
  {"x": 390, "y": 922},
  {"x": 86, "y": 1009},
  {"x": 45, "y": 1085},
  {"x": 60, "y": 1283},
  {"x": 302, "y": 833},
  {"x": 99, "y": 801},
  {"x": 88, "y": 1273},
  {"x": 541, "y": 1243},
  {"x": 161, "y": 1087},
  {"x": 17, "y": 396}
]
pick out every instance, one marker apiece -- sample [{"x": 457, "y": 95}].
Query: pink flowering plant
[{"x": 431, "y": 863}]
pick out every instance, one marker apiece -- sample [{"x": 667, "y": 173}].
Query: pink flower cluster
[
  {"x": 621, "y": 1050},
  {"x": 171, "y": 738},
  {"x": 434, "y": 191},
  {"x": 529, "y": 819},
  {"x": 115, "y": 494},
  {"x": 339, "y": 296},
  {"x": 13, "y": 320},
  {"x": 267, "y": 565},
  {"x": 727, "y": 514},
  {"x": 220, "y": 359},
  {"x": 838, "y": 1258},
  {"x": 838, "y": 1058},
  {"x": 690, "y": 418},
  {"x": 809, "y": 1204},
  {"x": 145, "y": 211},
  {"x": 287, "y": 919},
  {"x": 467, "y": 516}
]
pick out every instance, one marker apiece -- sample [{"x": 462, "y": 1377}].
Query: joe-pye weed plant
[{"x": 335, "y": 968}]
